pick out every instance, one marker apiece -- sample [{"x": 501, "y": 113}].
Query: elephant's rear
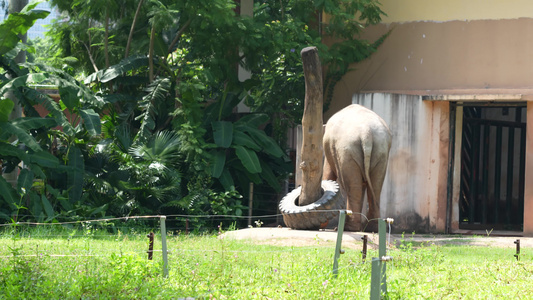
[
  {"x": 356, "y": 144},
  {"x": 357, "y": 128}
]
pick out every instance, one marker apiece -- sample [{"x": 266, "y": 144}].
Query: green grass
[{"x": 68, "y": 264}]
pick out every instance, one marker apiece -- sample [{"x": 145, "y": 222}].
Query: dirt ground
[{"x": 288, "y": 237}]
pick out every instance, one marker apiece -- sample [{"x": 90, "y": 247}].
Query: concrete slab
[{"x": 283, "y": 236}]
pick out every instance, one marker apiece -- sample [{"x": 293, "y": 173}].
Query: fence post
[
  {"x": 164, "y": 245},
  {"x": 517, "y": 255},
  {"x": 250, "y": 203},
  {"x": 378, "y": 284},
  {"x": 365, "y": 243},
  {"x": 382, "y": 253},
  {"x": 375, "y": 290},
  {"x": 150, "y": 245},
  {"x": 340, "y": 232}
]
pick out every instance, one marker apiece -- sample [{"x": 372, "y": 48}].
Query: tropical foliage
[
  {"x": 48, "y": 161},
  {"x": 146, "y": 119}
]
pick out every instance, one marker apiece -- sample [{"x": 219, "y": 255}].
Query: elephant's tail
[{"x": 367, "y": 144}]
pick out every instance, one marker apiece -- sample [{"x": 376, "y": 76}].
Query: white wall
[
  {"x": 415, "y": 189},
  {"x": 411, "y": 189}
]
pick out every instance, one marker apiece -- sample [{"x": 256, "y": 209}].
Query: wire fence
[
  {"x": 121, "y": 228},
  {"x": 113, "y": 245},
  {"x": 97, "y": 241}
]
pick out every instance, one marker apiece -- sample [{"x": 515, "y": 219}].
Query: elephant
[{"x": 357, "y": 143}]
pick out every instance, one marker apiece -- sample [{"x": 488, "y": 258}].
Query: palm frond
[
  {"x": 164, "y": 148},
  {"x": 156, "y": 92}
]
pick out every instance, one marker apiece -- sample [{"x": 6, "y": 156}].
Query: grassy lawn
[{"x": 63, "y": 264}]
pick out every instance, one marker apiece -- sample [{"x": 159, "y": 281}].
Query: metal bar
[
  {"x": 375, "y": 290},
  {"x": 476, "y": 154},
  {"x": 383, "y": 252},
  {"x": 491, "y": 104},
  {"x": 510, "y": 162},
  {"x": 474, "y": 174},
  {"x": 498, "y": 174},
  {"x": 485, "y": 166},
  {"x": 150, "y": 237},
  {"x": 512, "y": 124},
  {"x": 164, "y": 245},
  {"x": 378, "y": 284},
  {"x": 522, "y": 171},
  {"x": 382, "y": 229},
  {"x": 338, "y": 250},
  {"x": 466, "y": 170}
]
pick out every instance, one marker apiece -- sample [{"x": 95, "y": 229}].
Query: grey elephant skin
[{"x": 357, "y": 143}]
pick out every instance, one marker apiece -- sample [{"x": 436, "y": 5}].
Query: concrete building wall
[
  {"x": 446, "y": 47},
  {"x": 416, "y": 174},
  {"x": 401, "y": 11},
  {"x": 440, "y": 51}
]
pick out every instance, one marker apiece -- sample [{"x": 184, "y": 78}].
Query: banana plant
[
  {"x": 244, "y": 152},
  {"x": 28, "y": 144}
]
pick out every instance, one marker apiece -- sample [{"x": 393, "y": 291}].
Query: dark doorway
[{"x": 493, "y": 167}]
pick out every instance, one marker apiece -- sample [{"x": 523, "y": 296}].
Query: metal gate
[{"x": 493, "y": 167}]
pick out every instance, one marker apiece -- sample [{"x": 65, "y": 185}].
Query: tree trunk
[
  {"x": 312, "y": 127},
  {"x": 106, "y": 39},
  {"x": 151, "y": 55},
  {"x": 130, "y": 36}
]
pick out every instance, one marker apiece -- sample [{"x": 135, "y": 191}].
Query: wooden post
[
  {"x": 312, "y": 149},
  {"x": 150, "y": 245},
  {"x": 250, "y": 203}
]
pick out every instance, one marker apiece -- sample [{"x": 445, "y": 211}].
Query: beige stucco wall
[
  {"x": 470, "y": 57},
  {"x": 446, "y": 47},
  {"x": 448, "y": 10},
  {"x": 440, "y": 50}
]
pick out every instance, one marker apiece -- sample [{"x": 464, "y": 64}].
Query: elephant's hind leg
[
  {"x": 328, "y": 171},
  {"x": 377, "y": 176},
  {"x": 351, "y": 180}
]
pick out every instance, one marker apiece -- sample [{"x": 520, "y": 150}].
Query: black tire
[{"x": 306, "y": 217}]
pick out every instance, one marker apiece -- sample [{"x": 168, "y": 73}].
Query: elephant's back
[
  {"x": 355, "y": 130},
  {"x": 355, "y": 121}
]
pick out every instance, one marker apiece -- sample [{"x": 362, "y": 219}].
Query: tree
[
  {"x": 269, "y": 43},
  {"x": 170, "y": 88},
  {"x": 26, "y": 139},
  {"x": 172, "y": 80}
]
